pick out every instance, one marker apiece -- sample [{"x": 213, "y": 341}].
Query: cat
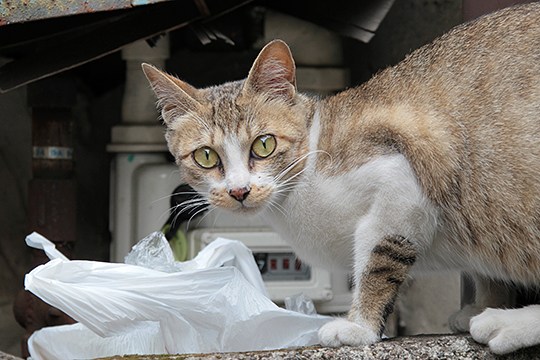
[{"x": 432, "y": 164}]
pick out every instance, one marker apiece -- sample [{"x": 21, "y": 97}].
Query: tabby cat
[{"x": 432, "y": 164}]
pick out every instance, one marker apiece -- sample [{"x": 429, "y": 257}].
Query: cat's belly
[{"x": 446, "y": 253}]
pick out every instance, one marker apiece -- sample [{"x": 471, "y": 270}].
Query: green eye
[
  {"x": 206, "y": 157},
  {"x": 264, "y": 146}
]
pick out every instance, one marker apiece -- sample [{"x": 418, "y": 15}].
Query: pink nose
[{"x": 240, "y": 194}]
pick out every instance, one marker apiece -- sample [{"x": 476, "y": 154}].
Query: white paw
[
  {"x": 459, "y": 321},
  {"x": 343, "y": 332},
  {"x": 505, "y": 331}
]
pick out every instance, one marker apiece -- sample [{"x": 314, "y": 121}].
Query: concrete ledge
[{"x": 415, "y": 347}]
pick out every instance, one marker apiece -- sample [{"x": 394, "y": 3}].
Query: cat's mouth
[
  {"x": 247, "y": 208},
  {"x": 252, "y": 203}
]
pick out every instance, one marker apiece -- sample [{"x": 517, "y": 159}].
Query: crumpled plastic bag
[
  {"x": 196, "y": 310},
  {"x": 154, "y": 252},
  {"x": 300, "y": 303},
  {"x": 76, "y": 341}
]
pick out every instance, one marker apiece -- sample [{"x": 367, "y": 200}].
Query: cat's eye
[
  {"x": 206, "y": 157},
  {"x": 264, "y": 146}
]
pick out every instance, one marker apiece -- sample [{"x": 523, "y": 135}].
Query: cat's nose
[{"x": 240, "y": 194}]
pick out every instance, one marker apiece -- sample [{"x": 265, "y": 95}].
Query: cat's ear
[
  {"x": 273, "y": 72},
  {"x": 174, "y": 97}
]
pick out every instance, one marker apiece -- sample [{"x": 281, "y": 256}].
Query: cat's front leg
[
  {"x": 399, "y": 226},
  {"x": 378, "y": 281}
]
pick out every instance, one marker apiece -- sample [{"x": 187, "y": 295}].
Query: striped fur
[{"x": 388, "y": 268}]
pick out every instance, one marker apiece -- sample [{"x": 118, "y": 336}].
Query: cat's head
[{"x": 239, "y": 144}]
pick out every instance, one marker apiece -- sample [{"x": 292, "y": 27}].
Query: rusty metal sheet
[
  {"x": 94, "y": 35},
  {"x": 18, "y": 11}
]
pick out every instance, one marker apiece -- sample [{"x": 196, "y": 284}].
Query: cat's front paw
[
  {"x": 343, "y": 332},
  {"x": 505, "y": 331}
]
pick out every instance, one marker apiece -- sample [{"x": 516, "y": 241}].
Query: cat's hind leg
[
  {"x": 487, "y": 293},
  {"x": 505, "y": 331}
]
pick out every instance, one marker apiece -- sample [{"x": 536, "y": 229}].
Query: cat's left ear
[
  {"x": 175, "y": 97},
  {"x": 273, "y": 72}
]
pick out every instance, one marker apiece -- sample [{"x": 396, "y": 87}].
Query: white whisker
[
  {"x": 192, "y": 206},
  {"x": 215, "y": 218},
  {"x": 191, "y": 201},
  {"x": 188, "y": 207},
  {"x": 275, "y": 206},
  {"x": 289, "y": 184},
  {"x": 205, "y": 215},
  {"x": 197, "y": 213},
  {"x": 168, "y": 212},
  {"x": 286, "y": 182},
  {"x": 178, "y": 193},
  {"x": 296, "y": 162}
]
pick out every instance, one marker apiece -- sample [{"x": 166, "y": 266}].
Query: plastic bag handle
[{"x": 38, "y": 241}]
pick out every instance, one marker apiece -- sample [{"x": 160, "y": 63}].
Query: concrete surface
[{"x": 416, "y": 347}]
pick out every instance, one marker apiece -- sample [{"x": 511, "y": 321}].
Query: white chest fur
[{"x": 323, "y": 214}]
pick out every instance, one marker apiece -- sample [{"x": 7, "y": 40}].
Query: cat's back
[
  {"x": 471, "y": 91},
  {"x": 474, "y": 97},
  {"x": 465, "y": 111},
  {"x": 483, "y": 62},
  {"x": 479, "y": 68}
]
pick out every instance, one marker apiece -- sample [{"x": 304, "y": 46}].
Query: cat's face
[
  {"x": 238, "y": 153},
  {"x": 239, "y": 144}
]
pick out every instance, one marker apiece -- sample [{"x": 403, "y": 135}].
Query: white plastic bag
[
  {"x": 154, "y": 252},
  {"x": 76, "y": 341},
  {"x": 196, "y": 310},
  {"x": 300, "y": 303}
]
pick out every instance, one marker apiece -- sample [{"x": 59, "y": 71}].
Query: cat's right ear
[
  {"x": 175, "y": 97},
  {"x": 273, "y": 72}
]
